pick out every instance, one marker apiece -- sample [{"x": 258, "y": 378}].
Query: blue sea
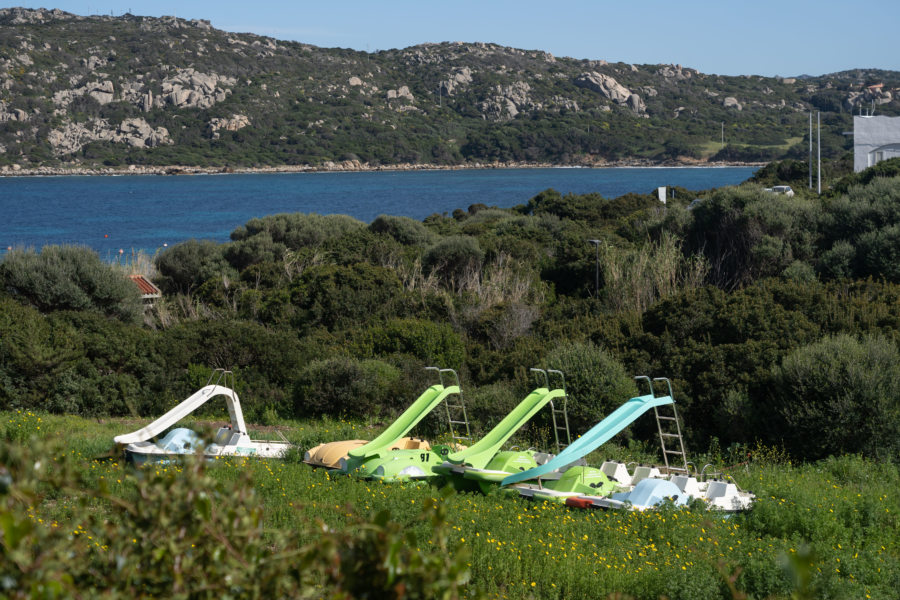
[{"x": 147, "y": 212}]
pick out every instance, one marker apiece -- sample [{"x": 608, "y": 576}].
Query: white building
[{"x": 874, "y": 139}]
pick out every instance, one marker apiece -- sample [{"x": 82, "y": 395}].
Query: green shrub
[
  {"x": 265, "y": 361},
  {"x": 297, "y": 230},
  {"x": 841, "y": 395},
  {"x": 185, "y": 266},
  {"x": 590, "y": 208},
  {"x": 878, "y": 254},
  {"x": 747, "y": 234},
  {"x": 487, "y": 405},
  {"x": 338, "y": 296},
  {"x": 596, "y": 382},
  {"x": 343, "y": 386},
  {"x": 253, "y": 250},
  {"x": 454, "y": 259},
  {"x": 70, "y": 278},
  {"x": 435, "y": 344},
  {"x": 34, "y": 351},
  {"x": 405, "y": 230},
  {"x": 185, "y": 534}
]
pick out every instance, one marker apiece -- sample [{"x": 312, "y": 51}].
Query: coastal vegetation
[
  {"x": 776, "y": 318},
  {"x": 767, "y": 312}
]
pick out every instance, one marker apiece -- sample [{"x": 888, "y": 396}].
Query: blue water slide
[{"x": 601, "y": 433}]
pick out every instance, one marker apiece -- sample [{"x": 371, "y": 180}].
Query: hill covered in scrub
[{"x": 116, "y": 91}]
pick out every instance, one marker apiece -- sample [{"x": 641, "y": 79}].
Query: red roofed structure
[{"x": 149, "y": 292}]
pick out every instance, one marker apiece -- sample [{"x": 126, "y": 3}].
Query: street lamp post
[{"x": 596, "y": 244}]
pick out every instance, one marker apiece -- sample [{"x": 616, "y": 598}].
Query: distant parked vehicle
[
  {"x": 780, "y": 189},
  {"x": 695, "y": 203}
]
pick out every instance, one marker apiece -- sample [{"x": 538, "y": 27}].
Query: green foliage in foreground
[
  {"x": 823, "y": 530},
  {"x": 184, "y": 532}
]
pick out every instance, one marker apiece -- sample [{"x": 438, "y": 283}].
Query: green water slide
[
  {"x": 419, "y": 409},
  {"x": 481, "y": 453},
  {"x": 601, "y": 433},
  {"x": 362, "y": 461}
]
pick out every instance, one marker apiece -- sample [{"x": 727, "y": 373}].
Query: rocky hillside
[{"x": 133, "y": 90}]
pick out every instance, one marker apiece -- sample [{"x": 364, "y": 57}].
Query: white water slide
[
  {"x": 229, "y": 441},
  {"x": 195, "y": 401}
]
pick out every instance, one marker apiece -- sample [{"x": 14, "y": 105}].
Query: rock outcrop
[
  {"x": 234, "y": 123},
  {"x": 134, "y": 132},
  {"x": 15, "y": 114},
  {"x": 610, "y": 88},
  {"x": 402, "y": 93},
  {"x": 732, "y": 102},
  {"x": 191, "y": 89},
  {"x": 507, "y": 102},
  {"x": 103, "y": 92},
  {"x": 873, "y": 94},
  {"x": 459, "y": 78},
  {"x": 23, "y": 16},
  {"x": 676, "y": 72}
]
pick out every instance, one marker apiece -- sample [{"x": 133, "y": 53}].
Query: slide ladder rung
[{"x": 673, "y": 431}]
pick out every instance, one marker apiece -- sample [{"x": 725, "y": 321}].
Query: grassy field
[
  {"x": 823, "y": 530},
  {"x": 709, "y": 148}
]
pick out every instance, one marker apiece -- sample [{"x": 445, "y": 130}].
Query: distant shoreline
[{"x": 343, "y": 167}]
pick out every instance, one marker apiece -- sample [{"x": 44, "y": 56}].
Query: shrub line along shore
[{"x": 341, "y": 166}]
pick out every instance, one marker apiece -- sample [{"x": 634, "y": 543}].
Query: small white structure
[{"x": 874, "y": 139}]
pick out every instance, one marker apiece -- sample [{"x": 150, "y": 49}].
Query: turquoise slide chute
[
  {"x": 601, "y": 433},
  {"x": 427, "y": 402}
]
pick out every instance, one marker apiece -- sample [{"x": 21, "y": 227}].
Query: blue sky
[{"x": 729, "y": 37}]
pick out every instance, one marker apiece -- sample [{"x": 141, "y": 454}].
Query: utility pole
[
  {"x": 810, "y": 149},
  {"x": 723, "y": 134}
]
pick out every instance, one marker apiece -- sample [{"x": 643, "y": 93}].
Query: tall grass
[
  {"x": 828, "y": 529},
  {"x": 636, "y": 278}
]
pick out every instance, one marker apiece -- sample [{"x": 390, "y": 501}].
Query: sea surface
[{"x": 147, "y": 212}]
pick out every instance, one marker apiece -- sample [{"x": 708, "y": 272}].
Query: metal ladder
[
  {"x": 456, "y": 413},
  {"x": 559, "y": 415},
  {"x": 669, "y": 428}
]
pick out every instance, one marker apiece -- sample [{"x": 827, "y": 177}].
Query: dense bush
[
  {"x": 860, "y": 233},
  {"x": 265, "y": 361},
  {"x": 335, "y": 296},
  {"x": 185, "y": 266},
  {"x": 587, "y": 208},
  {"x": 747, "y": 234},
  {"x": 70, "y": 278},
  {"x": 454, "y": 259},
  {"x": 432, "y": 343},
  {"x": 597, "y": 383},
  {"x": 297, "y": 230},
  {"x": 408, "y": 232},
  {"x": 347, "y": 387},
  {"x": 185, "y": 534},
  {"x": 840, "y": 395}
]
